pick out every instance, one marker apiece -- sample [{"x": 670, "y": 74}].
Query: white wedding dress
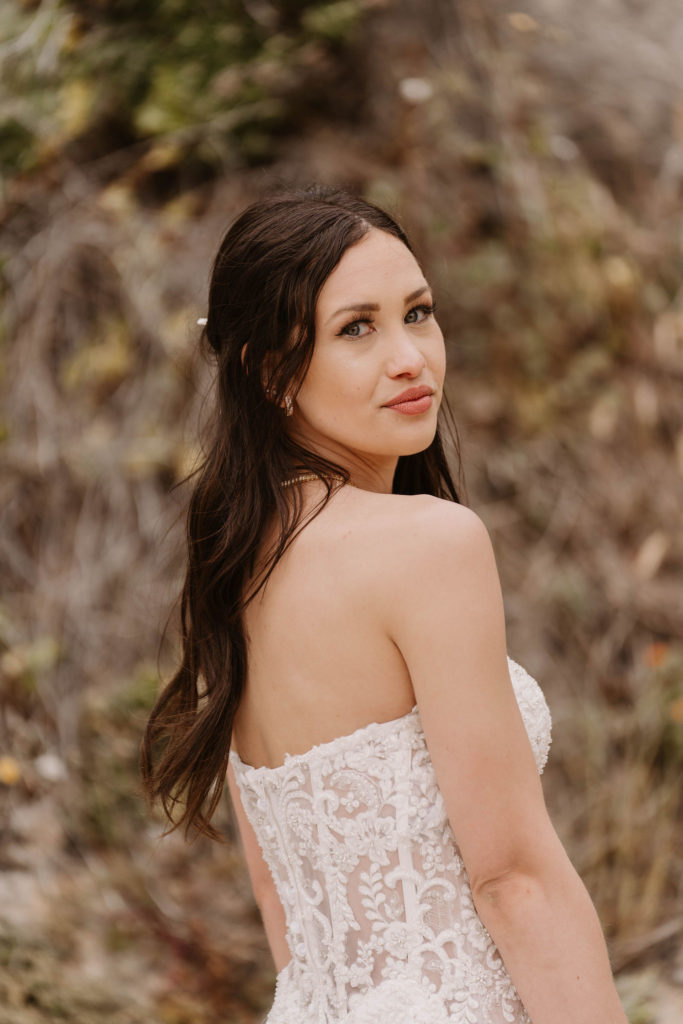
[{"x": 380, "y": 919}]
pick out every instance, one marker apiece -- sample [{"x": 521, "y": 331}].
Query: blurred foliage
[
  {"x": 215, "y": 82},
  {"x": 112, "y": 811},
  {"x": 626, "y": 842},
  {"x": 33, "y": 989}
]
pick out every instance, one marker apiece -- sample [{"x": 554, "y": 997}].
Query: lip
[{"x": 410, "y": 395}]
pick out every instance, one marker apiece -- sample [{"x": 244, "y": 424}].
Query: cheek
[
  {"x": 337, "y": 378},
  {"x": 322, "y": 381},
  {"x": 438, "y": 357}
]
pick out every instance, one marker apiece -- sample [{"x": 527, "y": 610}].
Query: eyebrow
[{"x": 372, "y": 307}]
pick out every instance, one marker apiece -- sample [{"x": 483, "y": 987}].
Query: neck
[{"x": 368, "y": 474}]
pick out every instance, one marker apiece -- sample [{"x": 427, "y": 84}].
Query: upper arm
[{"x": 447, "y": 618}]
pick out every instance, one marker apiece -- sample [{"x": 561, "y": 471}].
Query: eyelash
[{"x": 423, "y": 307}]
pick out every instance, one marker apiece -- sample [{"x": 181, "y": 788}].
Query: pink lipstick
[{"x": 412, "y": 401}]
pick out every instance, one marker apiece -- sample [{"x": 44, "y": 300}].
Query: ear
[
  {"x": 266, "y": 374},
  {"x": 268, "y": 369},
  {"x": 265, "y": 370}
]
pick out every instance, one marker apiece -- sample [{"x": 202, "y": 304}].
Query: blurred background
[{"x": 535, "y": 154}]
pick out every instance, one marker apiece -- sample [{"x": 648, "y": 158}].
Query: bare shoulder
[
  {"x": 447, "y": 535},
  {"x": 419, "y": 561},
  {"x": 417, "y": 531},
  {"x": 395, "y": 518},
  {"x": 435, "y": 522},
  {"x": 409, "y": 548}
]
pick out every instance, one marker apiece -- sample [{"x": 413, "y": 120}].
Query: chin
[
  {"x": 420, "y": 444},
  {"x": 415, "y": 449},
  {"x": 421, "y": 441}
]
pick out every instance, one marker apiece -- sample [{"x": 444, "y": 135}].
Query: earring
[{"x": 289, "y": 405}]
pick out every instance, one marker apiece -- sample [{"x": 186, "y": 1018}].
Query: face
[{"x": 376, "y": 341}]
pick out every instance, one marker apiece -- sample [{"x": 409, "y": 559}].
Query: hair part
[{"x": 265, "y": 282}]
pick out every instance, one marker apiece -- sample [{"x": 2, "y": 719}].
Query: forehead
[{"x": 378, "y": 263}]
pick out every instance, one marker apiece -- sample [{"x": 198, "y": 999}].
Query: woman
[{"x": 344, "y": 656}]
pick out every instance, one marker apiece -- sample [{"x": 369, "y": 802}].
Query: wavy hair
[{"x": 266, "y": 278}]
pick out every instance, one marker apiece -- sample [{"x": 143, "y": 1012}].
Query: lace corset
[{"x": 380, "y": 919}]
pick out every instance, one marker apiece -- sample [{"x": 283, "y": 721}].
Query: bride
[{"x": 344, "y": 655}]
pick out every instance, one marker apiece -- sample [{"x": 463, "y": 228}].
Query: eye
[
  {"x": 354, "y": 329},
  {"x": 418, "y": 314}
]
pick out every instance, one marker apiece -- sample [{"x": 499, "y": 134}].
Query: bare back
[{"x": 321, "y": 663}]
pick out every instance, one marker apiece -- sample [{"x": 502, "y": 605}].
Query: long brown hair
[{"x": 260, "y": 327}]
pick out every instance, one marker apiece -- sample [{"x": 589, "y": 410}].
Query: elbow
[
  {"x": 521, "y": 874},
  {"x": 518, "y": 894},
  {"x": 505, "y": 891}
]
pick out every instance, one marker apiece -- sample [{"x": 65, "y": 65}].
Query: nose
[{"x": 405, "y": 358}]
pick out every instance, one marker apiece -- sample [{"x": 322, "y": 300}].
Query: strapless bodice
[{"x": 380, "y": 919}]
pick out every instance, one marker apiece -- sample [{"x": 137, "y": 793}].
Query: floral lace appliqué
[{"x": 381, "y": 923}]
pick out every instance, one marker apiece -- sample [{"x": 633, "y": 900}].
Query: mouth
[{"x": 412, "y": 401}]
